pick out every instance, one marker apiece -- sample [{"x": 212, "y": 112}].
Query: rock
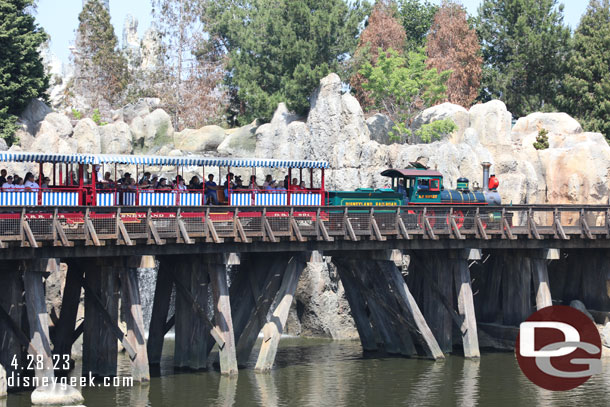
[
  {"x": 139, "y": 109},
  {"x": 457, "y": 113},
  {"x": 240, "y": 142},
  {"x": 24, "y": 138},
  {"x": 3, "y": 145},
  {"x": 56, "y": 394},
  {"x": 87, "y": 136},
  {"x": 605, "y": 334},
  {"x": 56, "y": 124},
  {"x": 559, "y": 123},
  {"x": 379, "y": 126},
  {"x": 153, "y": 130},
  {"x": 116, "y": 138},
  {"x": 207, "y": 138},
  {"x": 33, "y": 114},
  {"x": 492, "y": 123},
  {"x": 582, "y": 308},
  {"x": 321, "y": 306},
  {"x": 3, "y": 384},
  {"x": 51, "y": 142}
]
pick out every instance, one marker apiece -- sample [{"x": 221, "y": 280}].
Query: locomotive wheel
[{"x": 458, "y": 216}]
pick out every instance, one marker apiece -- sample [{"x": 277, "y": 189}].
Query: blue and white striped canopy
[
  {"x": 19, "y": 156},
  {"x": 158, "y": 160}
]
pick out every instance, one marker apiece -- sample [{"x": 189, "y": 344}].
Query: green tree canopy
[
  {"x": 101, "y": 75},
  {"x": 22, "y": 75},
  {"x": 525, "y": 46},
  {"x": 416, "y": 17},
  {"x": 280, "y": 49},
  {"x": 586, "y": 86},
  {"x": 404, "y": 86}
]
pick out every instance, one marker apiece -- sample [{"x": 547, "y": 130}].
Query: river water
[{"x": 311, "y": 372}]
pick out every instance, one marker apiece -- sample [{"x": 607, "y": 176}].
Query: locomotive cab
[{"x": 416, "y": 185}]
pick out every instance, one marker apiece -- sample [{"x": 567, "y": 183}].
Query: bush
[{"x": 542, "y": 140}]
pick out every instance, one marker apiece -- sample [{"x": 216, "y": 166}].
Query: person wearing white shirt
[
  {"x": 8, "y": 185},
  {"x": 30, "y": 184}
]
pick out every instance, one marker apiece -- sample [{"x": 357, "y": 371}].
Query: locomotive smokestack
[{"x": 486, "y": 166}]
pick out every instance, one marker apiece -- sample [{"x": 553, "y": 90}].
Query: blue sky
[{"x": 60, "y": 18}]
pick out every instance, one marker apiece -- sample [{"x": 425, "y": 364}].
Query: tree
[
  {"x": 188, "y": 81},
  {"x": 101, "y": 75},
  {"x": 416, "y": 17},
  {"x": 453, "y": 45},
  {"x": 22, "y": 75},
  {"x": 280, "y": 49},
  {"x": 383, "y": 31},
  {"x": 525, "y": 46},
  {"x": 586, "y": 85},
  {"x": 402, "y": 88}
]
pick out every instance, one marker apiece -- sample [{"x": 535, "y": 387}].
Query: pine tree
[
  {"x": 416, "y": 17},
  {"x": 101, "y": 75},
  {"x": 586, "y": 86},
  {"x": 525, "y": 46},
  {"x": 453, "y": 45},
  {"x": 383, "y": 31},
  {"x": 280, "y": 49},
  {"x": 22, "y": 75},
  {"x": 191, "y": 71}
]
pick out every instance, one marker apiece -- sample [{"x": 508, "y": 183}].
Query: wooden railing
[{"x": 61, "y": 226}]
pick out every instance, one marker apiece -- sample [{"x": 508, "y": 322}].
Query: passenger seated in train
[
  {"x": 2, "y": 177},
  {"x": 30, "y": 185},
  {"x": 401, "y": 188},
  {"x": 295, "y": 185},
  {"x": 194, "y": 183},
  {"x": 8, "y": 184},
  {"x": 303, "y": 186},
  {"x": 45, "y": 182},
  {"x": 286, "y": 183},
  {"x": 253, "y": 185},
  {"x": 228, "y": 182},
  {"x": 145, "y": 178},
  {"x": 239, "y": 184},
  {"x": 210, "y": 190},
  {"x": 180, "y": 186},
  {"x": 268, "y": 181}
]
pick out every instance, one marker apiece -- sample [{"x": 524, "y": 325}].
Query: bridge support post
[
  {"x": 132, "y": 307},
  {"x": 260, "y": 284},
  {"x": 516, "y": 288},
  {"x": 100, "y": 345},
  {"x": 222, "y": 314},
  {"x": 191, "y": 345},
  {"x": 11, "y": 302},
  {"x": 357, "y": 306},
  {"x": 38, "y": 318},
  {"x": 160, "y": 310},
  {"x": 64, "y": 331},
  {"x": 541, "y": 279},
  {"x": 465, "y": 302},
  {"x": 277, "y": 320}
]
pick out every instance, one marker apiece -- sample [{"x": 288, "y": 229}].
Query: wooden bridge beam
[
  {"x": 465, "y": 305},
  {"x": 161, "y": 302},
  {"x": 273, "y": 329},
  {"x": 99, "y": 340},
  {"x": 12, "y": 307},
  {"x": 64, "y": 331},
  {"x": 132, "y": 307}
]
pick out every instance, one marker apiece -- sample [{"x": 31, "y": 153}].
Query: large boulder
[
  {"x": 153, "y": 130},
  {"x": 558, "y": 123},
  {"x": 240, "y": 142},
  {"x": 207, "y": 138},
  {"x": 87, "y": 137},
  {"x": 380, "y": 126},
  {"x": 116, "y": 138},
  {"x": 33, "y": 114},
  {"x": 56, "y": 124},
  {"x": 51, "y": 142},
  {"x": 283, "y": 137},
  {"x": 492, "y": 123},
  {"x": 456, "y": 113},
  {"x": 139, "y": 109}
]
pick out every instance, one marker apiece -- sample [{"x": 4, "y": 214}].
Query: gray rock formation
[
  {"x": 205, "y": 139},
  {"x": 87, "y": 137},
  {"x": 579, "y": 305},
  {"x": 380, "y": 126},
  {"x": 240, "y": 142},
  {"x": 56, "y": 394},
  {"x": 153, "y": 130},
  {"x": 116, "y": 138}
]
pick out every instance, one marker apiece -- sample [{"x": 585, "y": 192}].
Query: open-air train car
[{"x": 74, "y": 180}]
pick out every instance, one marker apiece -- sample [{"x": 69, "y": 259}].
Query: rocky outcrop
[
  {"x": 240, "y": 142},
  {"x": 152, "y": 130},
  {"x": 116, "y": 138},
  {"x": 205, "y": 139},
  {"x": 380, "y": 127},
  {"x": 87, "y": 137}
]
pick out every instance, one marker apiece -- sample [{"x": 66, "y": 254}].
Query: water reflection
[{"x": 325, "y": 373}]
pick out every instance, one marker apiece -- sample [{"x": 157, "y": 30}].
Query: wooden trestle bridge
[{"x": 474, "y": 274}]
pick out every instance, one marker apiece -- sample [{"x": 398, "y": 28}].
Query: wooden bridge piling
[
  {"x": 64, "y": 335},
  {"x": 101, "y": 317},
  {"x": 12, "y": 312},
  {"x": 160, "y": 310},
  {"x": 272, "y": 330},
  {"x": 134, "y": 320}
]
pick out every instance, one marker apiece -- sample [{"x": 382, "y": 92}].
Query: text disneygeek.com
[{"x": 16, "y": 380}]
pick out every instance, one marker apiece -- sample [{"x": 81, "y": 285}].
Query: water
[{"x": 326, "y": 373}]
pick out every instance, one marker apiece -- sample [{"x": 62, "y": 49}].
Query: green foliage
[
  {"x": 22, "y": 75},
  {"x": 77, "y": 114},
  {"x": 280, "y": 49},
  {"x": 542, "y": 140},
  {"x": 416, "y": 17},
  {"x": 435, "y": 130},
  {"x": 524, "y": 45},
  {"x": 586, "y": 85},
  {"x": 97, "y": 118},
  {"x": 404, "y": 86},
  {"x": 101, "y": 74}
]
